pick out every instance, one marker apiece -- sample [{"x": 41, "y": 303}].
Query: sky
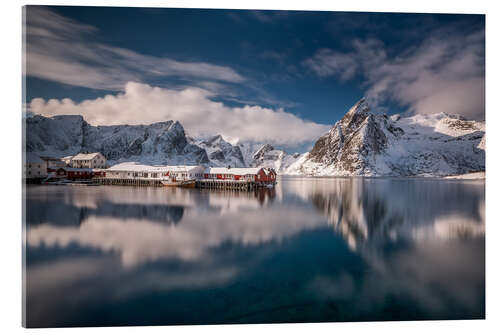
[{"x": 283, "y": 77}]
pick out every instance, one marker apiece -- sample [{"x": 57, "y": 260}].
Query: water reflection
[
  {"x": 310, "y": 250},
  {"x": 141, "y": 232},
  {"x": 373, "y": 211}
]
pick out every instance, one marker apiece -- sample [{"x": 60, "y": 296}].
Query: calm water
[{"x": 309, "y": 250}]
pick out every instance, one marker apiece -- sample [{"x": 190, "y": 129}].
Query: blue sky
[{"x": 297, "y": 71}]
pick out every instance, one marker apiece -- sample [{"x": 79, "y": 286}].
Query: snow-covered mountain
[
  {"x": 361, "y": 143},
  {"x": 369, "y": 144},
  {"x": 222, "y": 153},
  {"x": 158, "y": 143},
  {"x": 248, "y": 149},
  {"x": 269, "y": 157},
  {"x": 58, "y": 135}
]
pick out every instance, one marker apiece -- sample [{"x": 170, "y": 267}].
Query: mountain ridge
[
  {"x": 361, "y": 143},
  {"x": 364, "y": 143}
]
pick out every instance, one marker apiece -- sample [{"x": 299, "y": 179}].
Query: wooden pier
[
  {"x": 229, "y": 185},
  {"x": 230, "y": 179},
  {"x": 128, "y": 182}
]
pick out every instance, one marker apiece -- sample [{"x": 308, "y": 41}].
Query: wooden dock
[
  {"x": 128, "y": 182},
  {"x": 218, "y": 184},
  {"x": 230, "y": 185}
]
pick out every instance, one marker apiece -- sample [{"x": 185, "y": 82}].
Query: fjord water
[{"x": 324, "y": 249}]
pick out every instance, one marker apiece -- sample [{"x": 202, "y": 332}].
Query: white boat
[{"x": 179, "y": 183}]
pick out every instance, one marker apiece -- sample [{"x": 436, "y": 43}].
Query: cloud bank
[
  {"x": 200, "y": 116},
  {"x": 445, "y": 73},
  {"x": 61, "y": 49}
]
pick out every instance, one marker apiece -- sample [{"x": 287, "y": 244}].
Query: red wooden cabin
[
  {"x": 260, "y": 175},
  {"x": 74, "y": 173}
]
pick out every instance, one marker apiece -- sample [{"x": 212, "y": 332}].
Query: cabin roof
[
  {"x": 234, "y": 171},
  {"x": 85, "y": 157},
  {"x": 135, "y": 167}
]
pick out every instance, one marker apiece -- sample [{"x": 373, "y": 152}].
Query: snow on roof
[
  {"x": 85, "y": 157},
  {"x": 180, "y": 167},
  {"x": 67, "y": 157},
  {"x": 234, "y": 171},
  {"x": 33, "y": 158},
  {"x": 135, "y": 167}
]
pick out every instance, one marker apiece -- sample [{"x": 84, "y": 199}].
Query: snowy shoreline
[
  {"x": 472, "y": 175},
  {"x": 468, "y": 176}
]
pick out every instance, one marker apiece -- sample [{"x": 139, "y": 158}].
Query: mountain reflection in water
[{"x": 330, "y": 249}]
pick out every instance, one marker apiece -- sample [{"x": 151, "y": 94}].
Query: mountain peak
[
  {"x": 356, "y": 115},
  {"x": 360, "y": 107},
  {"x": 214, "y": 141},
  {"x": 366, "y": 143},
  {"x": 262, "y": 151}
]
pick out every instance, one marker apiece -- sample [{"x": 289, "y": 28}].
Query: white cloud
[
  {"x": 59, "y": 49},
  {"x": 327, "y": 63},
  {"x": 200, "y": 116},
  {"x": 445, "y": 73}
]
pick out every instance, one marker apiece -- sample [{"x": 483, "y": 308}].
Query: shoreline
[{"x": 467, "y": 176}]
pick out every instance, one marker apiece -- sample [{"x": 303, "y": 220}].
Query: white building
[
  {"x": 91, "y": 160},
  {"x": 34, "y": 167},
  {"x": 67, "y": 160},
  {"x": 140, "y": 171}
]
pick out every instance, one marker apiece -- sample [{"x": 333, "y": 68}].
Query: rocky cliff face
[
  {"x": 352, "y": 142},
  {"x": 222, "y": 153},
  {"x": 368, "y": 144},
  {"x": 269, "y": 157},
  {"x": 59, "y": 134}
]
